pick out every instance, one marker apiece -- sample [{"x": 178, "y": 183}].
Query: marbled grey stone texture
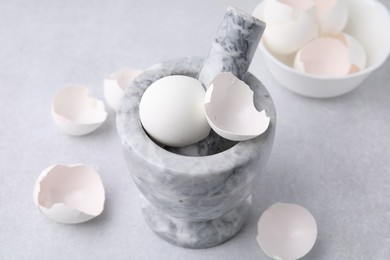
[
  {"x": 192, "y": 201},
  {"x": 234, "y": 46}
]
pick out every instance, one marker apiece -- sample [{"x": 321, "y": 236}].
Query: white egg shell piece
[
  {"x": 75, "y": 112},
  {"x": 323, "y": 56},
  {"x": 69, "y": 194},
  {"x": 357, "y": 54},
  {"x": 230, "y": 110},
  {"x": 116, "y": 83},
  {"x": 171, "y": 111},
  {"x": 286, "y": 231},
  {"x": 332, "y": 16},
  {"x": 288, "y": 28}
]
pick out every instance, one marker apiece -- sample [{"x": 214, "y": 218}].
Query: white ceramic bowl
[{"x": 369, "y": 22}]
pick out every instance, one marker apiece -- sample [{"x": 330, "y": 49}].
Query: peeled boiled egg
[
  {"x": 69, "y": 194},
  {"x": 172, "y": 111},
  {"x": 332, "y": 57},
  {"x": 286, "y": 231},
  {"x": 76, "y": 113},
  {"x": 230, "y": 110},
  {"x": 332, "y": 16},
  {"x": 290, "y": 24},
  {"x": 115, "y": 84}
]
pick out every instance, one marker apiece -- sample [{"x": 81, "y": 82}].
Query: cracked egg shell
[
  {"x": 339, "y": 56},
  {"x": 69, "y": 194},
  {"x": 289, "y": 26},
  {"x": 332, "y": 16},
  {"x": 286, "y": 231},
  {"x": 116, "y": 83},
  {"x": 230, "y": 110},
  {"x": 75, "y": 112}
]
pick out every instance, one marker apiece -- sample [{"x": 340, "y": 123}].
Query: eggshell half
[
  {"x": 171, "y": 111},
  {"x": 69, "y": 194},
  {"x": 230, "y": 110},
  {"x": 287, "y": 28},
  {"x": 332, "y": 16},
  {"x": 357, "y": 54},
  {"x": 286, "y": 231},
  {"x": 115, "y": 84},
  {"x": 324, "y": 56},
  {"x": 75, "y": 112}
]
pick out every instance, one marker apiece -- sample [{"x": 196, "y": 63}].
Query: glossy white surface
[
  {"x": 368, "y": 22},
  {"x": 330, "y": 155}
]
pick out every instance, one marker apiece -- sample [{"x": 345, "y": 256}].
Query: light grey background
[{"x": 331, "y": 156}]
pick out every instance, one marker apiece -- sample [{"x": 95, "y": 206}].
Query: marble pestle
[
  {"x": 232, "y": 51},
  {"x": 234, "y": 46}
]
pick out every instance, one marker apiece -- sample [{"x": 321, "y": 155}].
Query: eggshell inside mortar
[
  {"x": 230, "y": 110},
  {"x": 76, "y": 113},
  {"x": 69, "y": 194},
  {"x": 115, "y": 84}
]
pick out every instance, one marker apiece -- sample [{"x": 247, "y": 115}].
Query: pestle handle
[{"x": 234, "y": 46}]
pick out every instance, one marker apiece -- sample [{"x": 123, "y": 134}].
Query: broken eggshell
[
  {"x": 339, "y": 56},
  {"x": 286, "y": 231},
  {"x": 290, "y": 24},
  {"x": 115, "y": 84},
  {"x": 230, "y": 110},
  {"x": 69, "y": 194},
  {"x": 332, "y": 16},
  {"x": 75, "y": 112}
]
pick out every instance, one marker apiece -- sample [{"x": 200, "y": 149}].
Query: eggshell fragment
[
  {"x": 69, "y": 194},
  {"x": 332, "y": 16},
  {"x": 288, "y": 27},
  {"x": 75, "y": 112},
  {"x": 230, "y": 110},
  {"x": 286, "y": 231},
  {"x": 171, "y": 111},
  {"x": 115, "y": 84},
  {"x": 324, "y": 57},
  {"x": 357, "y": 54}
]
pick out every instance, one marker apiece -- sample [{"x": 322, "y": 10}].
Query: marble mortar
[{"x": 192, "y": 201}]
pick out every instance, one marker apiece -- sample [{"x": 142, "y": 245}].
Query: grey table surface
[{"x": 331, "y": 156}]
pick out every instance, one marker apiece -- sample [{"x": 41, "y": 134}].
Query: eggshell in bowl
[
  {"x": 332, "y": 16},
  {"x": 230, "y": 110},
  {"x": 287, "y": 28},
  {"x": 115, "y": 84},
  {"x": 69, "y": 194},
  {"x": 368, "y": 22},
  {"x": 76, "y": 113}
]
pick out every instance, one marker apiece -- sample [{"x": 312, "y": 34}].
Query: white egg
[
  {"x": 172, "y": 111},
  {"x": 116, "y": 83},
  {"x": 332, "y": 16},
  {"x": 76, "y": 113},
  {"x": 286, "y": 231},
  {"x": 288, "y": 26},
  {"x": 339, "y": 56},
  {"x": 69, "y": 194},
  {"x": 240, "y": 120}
]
